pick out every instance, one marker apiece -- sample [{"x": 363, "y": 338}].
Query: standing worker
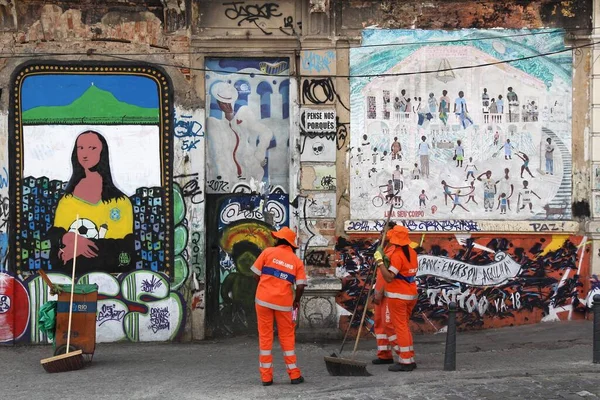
[
  {"x": 383, "y": 327},
  {"x": 277, "y": 269},
  {"x": 401, "y": 294}
]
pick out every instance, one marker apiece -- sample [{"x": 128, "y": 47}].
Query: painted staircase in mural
[{"x": 562, "y": 200}]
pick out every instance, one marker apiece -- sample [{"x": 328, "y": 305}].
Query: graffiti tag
[
  {"x": 288, "y": 23},
  {"x": 159, "y": 319},
  {"x": 4, "y": 213},
  {"x": 541, "y": 227},
  {"x": 108, "y": 313},
  {"x": 328, "y": 182},
  {"x": 191, "y": 189},
  {"x": 185, "y": 127},
  {"x": 318, "y": 258},
  {"x": 252, "y": 13},
  {"x": 313, "y": 61},
  {"x": 188, "y": 130},
  {"x": 218, "y": 185},
  {"x": 4, "y": 178},
  {"x": 471, "y": 302},
  {"x": 452, "y": 225},
  {"x": 320, "y": 91},
  {"x": 196, "y": 264},
  {"x": 342, "y": 133},
  {"x": 149, "y": 286}
]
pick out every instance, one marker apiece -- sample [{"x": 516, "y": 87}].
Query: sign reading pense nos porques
[
  {"x": 317, "y": 121},
  {"x": 500, "y": 271}
]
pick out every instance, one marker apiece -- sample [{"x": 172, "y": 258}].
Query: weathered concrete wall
[
  {"x": 183, "y": 37},
  {"x": 156, "y": 161}
]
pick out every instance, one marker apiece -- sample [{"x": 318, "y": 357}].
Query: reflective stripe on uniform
[
  {"x": 289, "y": 353},
  {"x": 409, "y": 279},
  {"x": 403, "y": 349},
  {"x": 291, "y": 366},
  {"x": 407, "y": 360},
  {"x": 383, "y": 348},
  {"x": 301, "y": 282},
  {"x": 401, "y": 296},
  {"x": 396, "y": 348},
  {"x": 265, "y": 352},
  {"x": 265, "y": 365},
  {"x": 286, "y": 276},
  {"x": 392, "y": 338},
  {"x": 255, "y": 270},
  {"x": 273, "y": 306},
  {"x": 381, "y": 336},
  {"x": 393, "y": 270}
]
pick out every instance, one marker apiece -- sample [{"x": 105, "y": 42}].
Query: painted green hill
[{"x": 95, "y": 106}]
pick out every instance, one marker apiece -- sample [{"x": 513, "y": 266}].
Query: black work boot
[
  {"x": 269, "y": 383},
  {"x": 297, "y": 381},
  {"x": 401, "y": 367},
  {"x": 379, "y": 361}
]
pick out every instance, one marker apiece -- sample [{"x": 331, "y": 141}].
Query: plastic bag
[{"x": 47, "y": 319}]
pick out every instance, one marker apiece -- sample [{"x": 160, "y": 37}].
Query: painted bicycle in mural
[{"x": 388, "y": 197}]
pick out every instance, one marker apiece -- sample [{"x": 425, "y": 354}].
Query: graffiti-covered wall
[
  {"x": 248, "y": 150},
  {"x": 461, "y": 124},
  {"x": 100, "y": 152},
  {"x": 496, "y": 280}
]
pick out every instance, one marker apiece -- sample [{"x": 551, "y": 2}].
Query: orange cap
[
  {"x": 286, "y": 234},
  {"x": 399, "y": 236}
]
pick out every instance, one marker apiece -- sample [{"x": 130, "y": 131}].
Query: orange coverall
[
  {"x": 402, "y": 297},
  {"x": 383, "y": 327},
  {"x": 279, "y": 269}
]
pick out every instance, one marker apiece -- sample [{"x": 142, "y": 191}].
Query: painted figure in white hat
[{"x": 238, "y": 142}]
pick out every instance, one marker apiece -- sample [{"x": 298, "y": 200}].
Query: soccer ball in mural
[{"x": 85, "y": 228}]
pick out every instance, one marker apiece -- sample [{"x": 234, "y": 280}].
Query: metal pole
[
  {"x": 596, "y": 350},
  {"x": 450, "y": 354}
]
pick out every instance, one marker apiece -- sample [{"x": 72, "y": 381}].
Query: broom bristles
[
  {"x": 344, "y": 367},
  {"x": 65, "y": 362}
]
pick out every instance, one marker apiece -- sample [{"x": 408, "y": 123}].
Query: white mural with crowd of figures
[{"x": 449, "y": 125}]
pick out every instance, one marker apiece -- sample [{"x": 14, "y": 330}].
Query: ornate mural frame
[{"x": 15, "y": 139}]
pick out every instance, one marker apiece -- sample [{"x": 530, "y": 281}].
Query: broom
[
  {"x": 337, "y": 366},
  {"x": 70, "y": 361}
]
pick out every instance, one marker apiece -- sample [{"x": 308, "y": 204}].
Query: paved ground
[{"x": 544, "y": 361}]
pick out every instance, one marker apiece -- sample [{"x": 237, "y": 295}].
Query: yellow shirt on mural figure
[{"x": 117, "y": 215}]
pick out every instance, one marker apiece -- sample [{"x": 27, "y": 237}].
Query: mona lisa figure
[{"x": 105, "y": 227}]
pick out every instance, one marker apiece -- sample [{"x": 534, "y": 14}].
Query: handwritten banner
[
  {"x": 501, "y": 270},
  {"x": 463, "y": 225}
]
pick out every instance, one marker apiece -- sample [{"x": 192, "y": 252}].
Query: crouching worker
[
  {"x": 277, "y": 269},
  {"x": 401, "y": 294}
]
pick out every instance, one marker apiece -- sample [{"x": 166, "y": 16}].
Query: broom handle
[
  {"x": 362, "y": 290},
  {"x": 382, "y": 241},
  {"x": 72, "y": 288},
  {"x": 362, "y": 320},
  {"x": 371, "y": 272}
]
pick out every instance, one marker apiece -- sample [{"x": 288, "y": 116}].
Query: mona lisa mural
[{"x": 93, "y": 141}]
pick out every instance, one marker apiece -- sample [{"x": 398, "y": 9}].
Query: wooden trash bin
[{"x": 83, "y": 324}]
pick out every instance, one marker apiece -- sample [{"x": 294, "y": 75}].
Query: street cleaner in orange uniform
[
  {"x": 401, "y": 294},
  {"x": 277, "y": 269},
  {"x": 383, "y": 327}
]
